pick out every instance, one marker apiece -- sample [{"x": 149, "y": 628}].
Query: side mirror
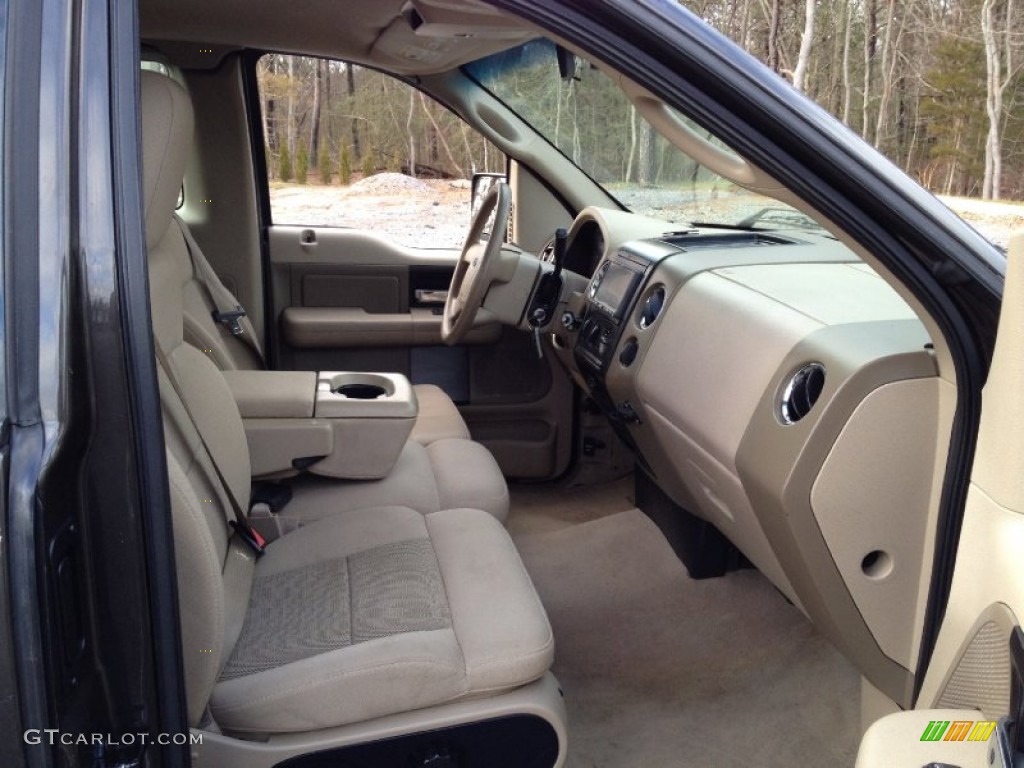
[{"x": 480, "y": 186}]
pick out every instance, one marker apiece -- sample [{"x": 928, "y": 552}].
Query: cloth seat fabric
[{"x": 378, "y": 611}]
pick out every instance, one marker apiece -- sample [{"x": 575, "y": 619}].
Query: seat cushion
[
  {"x": 374, "y": 612},
  {"x": 438, "y": 418},
  {"x": 467, "y": 475},
  {"x": 443, "y": 475}
]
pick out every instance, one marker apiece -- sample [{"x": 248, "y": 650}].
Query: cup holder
[{"x": 361, "y": 391}]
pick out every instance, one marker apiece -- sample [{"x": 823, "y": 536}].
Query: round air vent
[
  {"x": 801, "y": 392},
  {"x": 652, "y": 307}
]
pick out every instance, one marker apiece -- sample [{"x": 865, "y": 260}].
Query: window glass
[
  {"x": 352, "y": 147},
  {"x": 593, "y": 123}
]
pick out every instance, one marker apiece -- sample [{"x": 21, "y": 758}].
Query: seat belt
[
  {"x": 227, "y": 311},
  {"x": 240, "y": 524}
]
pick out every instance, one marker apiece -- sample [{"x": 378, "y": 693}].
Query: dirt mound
[{"x": 387, "y": 184}]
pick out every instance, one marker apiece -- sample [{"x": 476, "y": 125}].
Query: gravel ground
[
  {"x": 995, "y": 220},
  {"x": 415, "y": 212},
  {"x": 435, "y": 213}
]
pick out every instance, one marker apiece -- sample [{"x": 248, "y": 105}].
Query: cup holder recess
[{"x": 361, "y": 391}]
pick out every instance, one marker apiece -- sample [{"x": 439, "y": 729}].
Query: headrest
[{"x": 166, "y": 143}]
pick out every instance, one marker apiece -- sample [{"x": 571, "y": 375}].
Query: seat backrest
[
  {"x": 214, "y": 569},
  {"x": 228, "y": 351}
]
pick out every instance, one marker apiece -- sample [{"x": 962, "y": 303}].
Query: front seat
[
  {"x": 364, "y": 614},
  {"x": 215, "y": 322},
  {"x": 443, "y": 473}
]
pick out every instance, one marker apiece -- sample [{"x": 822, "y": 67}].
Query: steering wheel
[{"x": 474, "y": 269}]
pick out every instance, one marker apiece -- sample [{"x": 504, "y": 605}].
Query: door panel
[
  {"x": 375, "y": 293},
  {"x": 351, "y": 300},
  {"x": 353, "y": 247}
]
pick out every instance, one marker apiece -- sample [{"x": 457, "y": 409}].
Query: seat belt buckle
[
  {"x": 251, "y": 537},
  {"x": 230, "y": 319}
]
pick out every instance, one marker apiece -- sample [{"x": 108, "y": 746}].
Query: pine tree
[
  {"x": 345, "y": 165},
  {"x": 302, "y": 165},
  {"x": 324, "y": 165},
  {"x": 954, "y": 111},
  {"x": 284, "y": 164}
]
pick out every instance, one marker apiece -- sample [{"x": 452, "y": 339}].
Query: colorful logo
[{"x": 958, "y": 730}]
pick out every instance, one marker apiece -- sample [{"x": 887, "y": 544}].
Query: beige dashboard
[{"x": 834, "y": 499}]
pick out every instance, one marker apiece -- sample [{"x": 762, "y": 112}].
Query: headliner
[{"x": 378, "y": 33}]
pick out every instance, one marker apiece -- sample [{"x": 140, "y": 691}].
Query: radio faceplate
[{"x": 610, "y": 297}]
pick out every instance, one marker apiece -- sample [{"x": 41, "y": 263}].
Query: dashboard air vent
[
  {"x": 652, "y": 307},
  {"x": 801, "y": 393}
]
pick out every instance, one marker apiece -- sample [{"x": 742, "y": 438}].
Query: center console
[{"x": 338, "y": 424}]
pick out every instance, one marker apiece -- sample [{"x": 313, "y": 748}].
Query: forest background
[{"x": 936, "y": 85}]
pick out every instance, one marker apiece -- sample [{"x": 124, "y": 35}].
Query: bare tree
[
  {"x": 847, "y": 79},
  {"x": 774, "y": 24},
  {"x": 632, "y": 143},
  {"x": 314, "y": 130},
  {"x": 290, "y": 124},
  {"x": 804, "y": 57},
  {"x": 870, "y": 42},
  {"x": 887, "y": 66},
  {"x": 350, "y": 81},
  {"x": 410, "y": 133},
  {"x": 645, "y": 157},
  {"x": 1000, "y": 72},
  {"x": 439, "y": 134}
]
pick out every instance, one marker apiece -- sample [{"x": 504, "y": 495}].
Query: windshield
[{"x": 592, "y": 122}]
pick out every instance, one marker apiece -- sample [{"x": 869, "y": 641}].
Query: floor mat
[{"x": 662, "y": 670}]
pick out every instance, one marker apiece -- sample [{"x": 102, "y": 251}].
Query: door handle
[{"x": 430, "y": 296}]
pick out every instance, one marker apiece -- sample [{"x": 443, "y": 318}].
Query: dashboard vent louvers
[
  {"x": 652, "y": 307},
  {"x": 801, "y": 393}
]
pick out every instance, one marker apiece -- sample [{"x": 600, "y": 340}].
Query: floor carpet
[
  {"x": 547, "y": 508},
  {"x": 661, "y": 670}
]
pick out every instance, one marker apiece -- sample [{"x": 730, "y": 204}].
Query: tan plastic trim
[
  {"x": 359, "y": 247},
  {"x": 981, "y": 676},
  {"x": 871, "y": 501},
  {"x": 220, "y": 187},
  {"x": 541, "y": 698},
  {"x": 895, "y": 742},
  {"x": 272, "y": 394},
  {"x": 275, "y": 443},
  {"x": 318, "y": 327},
  {"x": 749, "y": 462},
  {"x": 537, "y": 213},
  {"x": 365, "y": 449},
  {"x": 874, "y": 705},
  {"x": 988, "y": 577},
  {"x": 397, "y": 399}
]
